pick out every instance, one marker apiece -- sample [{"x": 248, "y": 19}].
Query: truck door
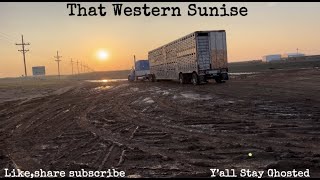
[{"x": 203, "y": 51}]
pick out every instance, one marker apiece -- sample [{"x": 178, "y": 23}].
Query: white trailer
[
  {"x": 271, "y": 57},
  {"x": 195, "y": 58},
  {"x": 292, "y": 55}
]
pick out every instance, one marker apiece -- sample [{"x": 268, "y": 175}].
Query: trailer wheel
[
  {"x": 202, "y": 80},
  {"x": 195, "y": 79},
  {"x": 153, "y": 78},
  {"x": 181, "y": 78}
]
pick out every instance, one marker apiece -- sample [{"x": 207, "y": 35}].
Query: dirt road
[{"x": 165, "y": 129}]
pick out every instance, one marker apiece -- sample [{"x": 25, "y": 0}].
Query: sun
[{"x": 102, "y": 55}]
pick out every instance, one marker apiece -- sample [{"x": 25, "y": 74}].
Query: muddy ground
[{"x": 165, "y": 129}]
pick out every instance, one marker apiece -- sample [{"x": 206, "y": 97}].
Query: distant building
[
  {"x": 290, "y": 55},
  {"x": 271, "y": 57},
  {"x": 39, "y": 71}
]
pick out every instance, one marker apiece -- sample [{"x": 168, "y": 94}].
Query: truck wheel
[
  {"x": 181, "y": 78},
  {"x": 153, "y": 78},
  {"x": 203, "y": 80},
  {"x": 195, "y": 79},
  {"x": 218, "y": 80}
]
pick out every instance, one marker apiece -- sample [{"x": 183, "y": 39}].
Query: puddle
[
  {"x": 243, "y": 73},
  {"x": 65, "y": 111},
  {"x": 17, "y": 126},
  {"x": 152, "y": 89},
  {"x": 158, "y": 90},
  {"x": 106, "y": 80},
  {"x": 101, "y": 88},
  {"x": 44, "y": 146},
  {"x": 163, "y": 92},
  {"x": 120, "y": 86},
  {"x": 145, "y": 109},
  {"x": 148, "y": 100},
  {"x": 196, "y": 96},
  {"x": 135, "y": 89},
  {"x": 285, "y": 114}
]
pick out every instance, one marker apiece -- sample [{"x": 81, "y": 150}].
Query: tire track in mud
[
  {"x": 177, "y": 133},
  {"x": 55, "y": 122},
  {"x": 229, "y": 140},
  {"x": 118, "y": 139},
  {"x": 125, "y": 112},
  {"x": 105, "y": 129}
]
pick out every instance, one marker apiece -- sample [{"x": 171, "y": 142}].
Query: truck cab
[{"x": 141, "y": 70}]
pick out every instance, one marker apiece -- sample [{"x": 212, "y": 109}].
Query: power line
[
  {"x": 7, "y": 37},
  {"x": 58, "y": 61},
  {"x": 23, "y": 50}
]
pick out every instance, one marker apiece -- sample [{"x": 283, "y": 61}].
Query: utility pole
[
  {"x": 58, "y": 60},
  {"x": 71, "y": 66},
  {"x": 81, "y": 66},
  {"x": 297, "y": 50},
  {"x": 23, "y": 50},
  {"x": 78, "y": 66}
]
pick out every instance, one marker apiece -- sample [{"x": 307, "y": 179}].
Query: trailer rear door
[
  {"x": 218, "y": 50},
  {"x": 203, "y": 51}
]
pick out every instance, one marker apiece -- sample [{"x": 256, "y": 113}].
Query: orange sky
[{"x": 267, "y": 29}]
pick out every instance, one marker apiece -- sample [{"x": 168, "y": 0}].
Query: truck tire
[
  {"x": 129, "y": 79},
  {"x": 218, "y": 80},
  {"x": 153, "y": 78},
  {"x": 195, "y": 79},
  {"x": 202, "y": 79},
  {"x": 181, "y": 78}
]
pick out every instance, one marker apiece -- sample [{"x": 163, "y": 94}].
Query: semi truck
[
  {"x": 141, "y": 70},
  {"x": 194, "y": 58}
]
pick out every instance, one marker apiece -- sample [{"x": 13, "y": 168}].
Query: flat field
[{"x": 163, "y": 129}]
